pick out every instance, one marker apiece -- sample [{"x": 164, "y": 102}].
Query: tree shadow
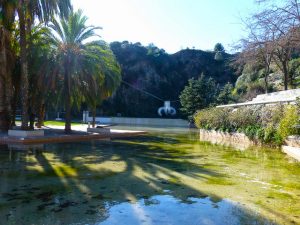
[{"x": 71, "y": 182}]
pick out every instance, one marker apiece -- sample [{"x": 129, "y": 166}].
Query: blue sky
[{"x": 169, "y": 24}]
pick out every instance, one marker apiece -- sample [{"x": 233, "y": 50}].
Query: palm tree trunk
[
  {"x": 4, "y": 118},
  {"x": 24, "y": 69},
  {"x": 41, "y": 115},
  {"x": 68, "y": 99},
  {"x": 3, "y": 123},
  {"x": 13, "y": 114},
  {"x": 94, "y": 117},
  {"x": 68, "y": 114},
  {"x": 5, "y": 81},
  {"x": 31, "y": 118},
  {"x": 16, "y": 93}
]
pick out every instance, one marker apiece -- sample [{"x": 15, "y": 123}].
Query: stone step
[{"x": 292, "y": 151}]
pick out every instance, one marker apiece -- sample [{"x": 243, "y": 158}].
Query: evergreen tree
[
  {"x": 219, "y": 50},
  {"x": 225, "y": 95},
  {"x": 198, "y": 94}
]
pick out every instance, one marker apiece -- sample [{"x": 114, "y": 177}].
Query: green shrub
[
  {"x": 242, "y": 118},
  {"x": 271, "y": 115},
  {"x": 271, "y": 136},
  {"x": 251, "y": 131},
  {"x": 213, "y": 118},
  {"x": 288, "y": 122},
  {"x": 271, "y": 124}
]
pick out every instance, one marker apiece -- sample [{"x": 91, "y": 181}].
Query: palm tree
[
  {"x": 7, "y": 59},
  {"x": 80, "y": 63},
  {"x": 41, "y": 66},
  {"x": 27, "y": 11},
  {"x": 108, "y": 75}
]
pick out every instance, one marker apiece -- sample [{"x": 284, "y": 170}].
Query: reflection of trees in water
[{"x": 68, "y": 187}]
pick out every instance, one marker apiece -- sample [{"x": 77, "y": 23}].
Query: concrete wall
[
  {"x": 141, "y": 121},
  {"x": 292, "y": 146},
  {"x": 240, "y": 141},
  {"x": 293, "y": 141},
  {"x": 236, "y": 140}
]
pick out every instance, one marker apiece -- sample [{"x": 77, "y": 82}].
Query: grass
[{"x": 58, "y": 123}]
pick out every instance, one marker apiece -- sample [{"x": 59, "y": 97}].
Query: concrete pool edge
[{"x": 60, "y": 137}]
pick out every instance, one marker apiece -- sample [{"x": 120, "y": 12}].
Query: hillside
[{"x": 152, "y": 70}]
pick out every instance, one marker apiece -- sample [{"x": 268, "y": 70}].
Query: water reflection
[{"x": 166, "y": 209}]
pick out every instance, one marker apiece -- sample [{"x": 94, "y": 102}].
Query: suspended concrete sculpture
[{"x": 167, "y": 109}]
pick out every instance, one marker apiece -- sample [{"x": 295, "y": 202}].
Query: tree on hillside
[
  {"x": 198, "y": 94},
  {"x": 225, "y": 96},
  {"x": 294, "y": 66},
  {"x": 258, "y": 48},
  {"x": 273, "y": 36},
  {"x": 219, "y": 50},
  {"x": 154, "y": 51}
]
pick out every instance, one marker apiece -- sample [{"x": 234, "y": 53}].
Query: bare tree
[
  {"x": 273, "y": 34},
  {"x": 257, "y": 48}
]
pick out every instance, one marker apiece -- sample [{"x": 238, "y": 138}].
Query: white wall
[{"x": 141, "y": 121}]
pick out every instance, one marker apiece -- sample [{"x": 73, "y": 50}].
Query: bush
[
  {"x": 269, "y": 125},
  {"x": 271, "y": 136},
  {"x": 288, "y": 122},
  {"x": 271, "y": 115},
  {"x": 213, "y": 118},
  {"x": 242, "y": 118},
  {"x": 253, "y": 132}
]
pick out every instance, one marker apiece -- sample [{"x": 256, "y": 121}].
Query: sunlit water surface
[{"x": 166, "y": 177}]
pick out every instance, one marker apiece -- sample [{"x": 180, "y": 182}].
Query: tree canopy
[{"x": 219, "y": 48}]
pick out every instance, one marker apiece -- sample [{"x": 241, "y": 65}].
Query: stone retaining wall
[
  {"x": 292, "y": 146},
  {"x": 237, "y": 140},
  {"x": 293, "y": 141},
  {"x": 240, "y": 141}
]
